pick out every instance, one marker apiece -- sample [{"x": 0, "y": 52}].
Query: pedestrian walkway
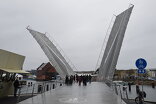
[{"x": 94, "y": 93}]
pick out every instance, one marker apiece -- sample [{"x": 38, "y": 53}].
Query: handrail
[
  {"x": 120, "y": 90},
  {"x": 38, "y": 88}
]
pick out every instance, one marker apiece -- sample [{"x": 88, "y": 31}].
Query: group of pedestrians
[
  {"x": 69, "y": 79},
  {"x": 78, "y": 79}
]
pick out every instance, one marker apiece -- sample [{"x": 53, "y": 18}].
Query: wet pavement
[{"x": 94, "y": 93}]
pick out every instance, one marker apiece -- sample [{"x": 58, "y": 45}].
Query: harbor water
[{"x": 150, "y": 92}]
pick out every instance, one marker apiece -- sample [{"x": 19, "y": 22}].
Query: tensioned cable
[{"x": 104, "y": 42}]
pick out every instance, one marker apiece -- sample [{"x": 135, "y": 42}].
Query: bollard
[
  {"x": 153, "y": 85},
  {"x": 47, "y": 87},
  {"x": 60, "y": 84},
  {"x": 53, "y": 86},
  {"x": 129, "y": 86}
]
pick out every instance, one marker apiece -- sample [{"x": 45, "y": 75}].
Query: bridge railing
[
  {"x": 37, "y": 88},
  {"x": 120, "y": 90}
]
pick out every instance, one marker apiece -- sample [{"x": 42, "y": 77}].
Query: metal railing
[
  {"x": 120, "y": 90},
  {"x": 37, "y": 88}
]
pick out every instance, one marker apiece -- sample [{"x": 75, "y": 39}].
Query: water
[{"x": 150, "y": 92}]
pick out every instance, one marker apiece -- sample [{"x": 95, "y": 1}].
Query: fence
[
  {"x": 37, "y": 88},
  {"x": 120, "y": 90}
]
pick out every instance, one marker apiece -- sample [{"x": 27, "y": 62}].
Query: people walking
[
  {"x": 79, "y": 80},
  {"x": 84, "y": 80},
  {"x": 71, "y": 80}
]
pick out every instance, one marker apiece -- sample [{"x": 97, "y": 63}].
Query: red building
[{"x": 46, "y": 72}]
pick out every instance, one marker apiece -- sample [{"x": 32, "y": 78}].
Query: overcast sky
[{"x": 79, "y": 27}]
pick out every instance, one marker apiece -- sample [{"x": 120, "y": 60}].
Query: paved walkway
[{"x": 94, "y": 93}]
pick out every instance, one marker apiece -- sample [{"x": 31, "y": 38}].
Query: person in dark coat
[
  {"x": 16, "y": 86},
  {"x": 137, "y": 89},
  {"x": 90, "y": 78},
  {"x": 79, "y": 80},
  {"x": 67, "y": 80}
]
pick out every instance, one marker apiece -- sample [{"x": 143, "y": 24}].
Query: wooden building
[{"x": 46, "y": 72}]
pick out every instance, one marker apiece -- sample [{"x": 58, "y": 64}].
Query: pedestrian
[
  {"x": 16, "y": 86},
  {"x": 84, "y": 78},
  {"x": 137, "y": 89},
  {"x": 129, "y": 86},
  {"x": 67, "y": 80},
  {"x": 90, "y": 78},
  {"x": 71, "y": 80},
  {"x": 79, "y": 80}
]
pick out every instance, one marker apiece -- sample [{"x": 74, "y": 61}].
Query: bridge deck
[{"x": 94, "y": 93}]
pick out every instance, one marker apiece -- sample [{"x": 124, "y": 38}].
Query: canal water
[{"x": 150, "y": 92}]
